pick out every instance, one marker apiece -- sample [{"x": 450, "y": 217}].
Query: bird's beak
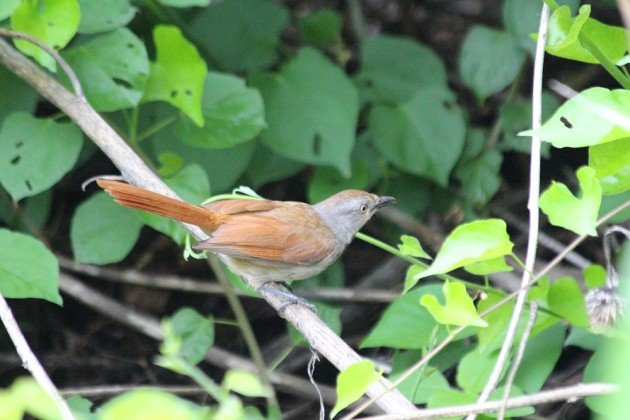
[{"x": 384, "y": 200}]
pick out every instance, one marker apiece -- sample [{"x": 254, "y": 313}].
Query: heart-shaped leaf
[{"x": 458, "y": 309}]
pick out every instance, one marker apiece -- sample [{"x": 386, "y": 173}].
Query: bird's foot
[{"x": 291, "y": 299}]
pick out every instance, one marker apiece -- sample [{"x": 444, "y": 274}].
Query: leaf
[
  {"x": 594, "y": 276},
  {"x": 352, "y": 383},
  {"x": 443, "y": 398},
  {"x": 245, "y": 383},
  {"x": 410, "y": 245},
  {"x": 35, "y": 153},
  {"x": 458, "y": 309},
  {"x": 321, "y": 28},
  {"x": 410, "y": 277},
  {"x": 52, "y": 21},
  {"x": 191, "y": 185},
  {"x": 491, "y": 338},
  {"x": 27, "y": 268},
  {"x": 233, "y": 113},
  {"x": 395, "y": 69},
  {"x": 563, "y": 39},
  {"x": 489, "y": 61},
  {"x": 610, "y": 202},
  {"x": 113, "y": 69},
  {"x": 149, "y": 404},
  {"x": 474, "y": 370},
  {"x": 269, "y": 167},
  {"x": 196, "y": 333},
  {"x": 327, "y": 181},
  {"x": 422, "y": 383},
  {"x": 541, "y": 355},
  {"x": 30, "y": 397},
  {"x": 16, "y": 95},
  {"x": 312, "y": 110},
  {"x": 243, "y": 36},
  {"x": 577, "y": 214},
  {"x": 99, "y": 16},
  {"x": 7, "y": 7},
  {"x": 566, "y": 299},
  {"x": 102, "y": 231},
  {"x": 484, "y": 268},
  {"x": 575, "y": 124},
  {"x": 184, "y": 3},
  {"x": 472, "y": 242},
  {"x": 423, "y": 136},
  {"x": 177, "y": 76},
  {"x": 404, "y": 324},
  {"x": 611, "y": 162}
]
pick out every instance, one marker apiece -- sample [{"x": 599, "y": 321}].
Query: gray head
[{"x": 346, "y": 212}]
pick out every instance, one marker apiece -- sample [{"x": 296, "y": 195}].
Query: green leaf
[
  {"x": 611, "y": 162},
  {"x": 521, "y": 18},
  {"x": 410, "y": 245},
  {"x": 268, "y": 167},
  {"x": 484, "y": 268},
  {"x": 352, "y": 383},
  {"x": 35, "y": 153},
  {"x": 312, "y": 110},
  {"x": 472, "y": 242},
  {"x": 394, "y": 69},
  {"x": 196, "y": 333},
  {"x": 444, "y": 398},
  {"x": 410, "y": 277},
  {"x": 491, "y": 338},
  {"x": 564, "y": 30},
  {"x": 422, "y": 383},
  {"x": 610, "y": 202},
  {"x": 233, "y": 113},
  {"x": 149, "y": 404},
  {"x": 567, "y": 300},
  {"x": 577, "y": 214},
  {"x": 16, "y": 95},
  {"x": 594, "y": 276},
  {"x": 489, "y": 61},
  {"x": 27, "y": 268},
  {"x": 29, "y": 395},
  {"x": 404, "y": 324},
  {"x": 191, "y": 185},
  {"x": 7, "y": 7},
  {"x": 242, "y": 35},
  {"x": 479, "y": 173},
  {"x": 541, "y": 354},
  {"x": 36, "y": 211},
  {"x": 113, "y": 69},
  {"x": 81, "y": 407},
  {"x": 584, "y": 339},
  {"x": 177, "y": 76},
  {"x": 474, "y": 370},
  {"x": 99, "y": 16},
  {"x": 52, "y": 21},
  {"x": 245, "y": 383},
  {"x": 184, "y": 3},
  {"x": 102, "y": 231},
  {"x": 321, "y": 28},
  {"x": 458, "y": 309},
  {"x": 423, "y": 136},
  {"x": 575, "y": 124},
  {"x": 327, "y": 181}
]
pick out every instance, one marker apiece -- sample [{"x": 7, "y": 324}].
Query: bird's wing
[
  {"x": 292, "y": 234},
  {"x": 237, "y": 206}
]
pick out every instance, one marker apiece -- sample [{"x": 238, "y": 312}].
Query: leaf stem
[
  {"x": 156, "y": 127},
  {"x": 179, "y": 365},
  {"x": 133, "y": 124}
]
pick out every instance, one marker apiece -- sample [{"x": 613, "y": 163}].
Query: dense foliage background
[{"x": 297, "y": 100}]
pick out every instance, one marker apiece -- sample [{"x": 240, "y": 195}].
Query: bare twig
[
  {"x": 319, "y": 335},
  {"x": 29, "y": 360},
  {"x": 569, "y": 393},
  {"x": 534, "y": 192},
  {"x": 107, "y": 390},
  {"x": 518, "y": 358},
  {"x": 74, "y": 80}
]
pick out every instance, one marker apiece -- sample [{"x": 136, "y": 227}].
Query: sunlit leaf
[
  {"x": 352, "y": 383},
  {"x": 458, "y": 309}
]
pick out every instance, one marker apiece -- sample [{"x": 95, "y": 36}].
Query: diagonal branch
[{"x": 319, "y": 335}]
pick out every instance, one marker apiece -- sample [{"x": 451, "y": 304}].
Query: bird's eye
[{"x": 364, "y": 208}]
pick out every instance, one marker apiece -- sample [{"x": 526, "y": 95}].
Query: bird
[{"x": 263, "y": 240}]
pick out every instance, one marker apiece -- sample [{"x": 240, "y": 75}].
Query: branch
[
  {"x": 29, "y": 360},
  {"x": 569, "y": 393},
  {"x": 534, "y": 193},
  {"x": 319, "y": 335}
]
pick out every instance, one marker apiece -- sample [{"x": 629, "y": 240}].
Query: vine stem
[
  {"x": 29, "y": 360},
  {"x": 534, "y": 193}
]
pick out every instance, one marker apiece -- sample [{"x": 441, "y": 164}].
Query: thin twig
[
  {"x": 108, "y": 390},
  {"x": 29, "y": 360},
  {"x": 534, "y": 192},
  {"x": 319, "y": 335},
  {"x": 518, "y": 358},
  {"x": 74, "y": 80},
  {"x": 569, "y": 393}
]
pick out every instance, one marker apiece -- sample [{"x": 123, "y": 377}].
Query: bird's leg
[{"x": 291, "y": 298}]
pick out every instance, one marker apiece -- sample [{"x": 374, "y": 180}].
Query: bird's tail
[{"x": 141, "y": 199}]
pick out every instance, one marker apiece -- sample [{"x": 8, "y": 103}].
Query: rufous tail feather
[{"x": 141, "y": 199}]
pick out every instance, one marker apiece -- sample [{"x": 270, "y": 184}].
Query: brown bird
[{"x": 263, "y": 240}]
